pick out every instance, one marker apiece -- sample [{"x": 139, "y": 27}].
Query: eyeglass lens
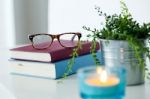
[
  {"x": 42, "y": 41},
  {"x": 69, "y": 40}
]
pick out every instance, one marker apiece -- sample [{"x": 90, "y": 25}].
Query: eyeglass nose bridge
[{"x": 55, "y": 37}]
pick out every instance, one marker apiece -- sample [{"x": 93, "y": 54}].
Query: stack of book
[{"x": 51, "y": 62}]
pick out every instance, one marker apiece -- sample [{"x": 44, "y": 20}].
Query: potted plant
[{"x": 123, "y": 43}]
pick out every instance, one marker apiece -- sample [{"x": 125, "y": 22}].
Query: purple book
[{"x": 54, "y": 53}]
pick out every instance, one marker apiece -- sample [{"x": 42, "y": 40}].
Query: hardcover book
[
  {"x": 54, "y": 53},
  {"x": 51, "y": 70}
]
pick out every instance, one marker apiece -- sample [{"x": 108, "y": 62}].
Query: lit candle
[
  {"x": 101, "y": 83},
  {"x": 104, "y": 80}
]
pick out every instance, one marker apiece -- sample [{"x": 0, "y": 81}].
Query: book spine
[
  {"x": 66, "y": 53},
  {"x": 80, "y": 62}
]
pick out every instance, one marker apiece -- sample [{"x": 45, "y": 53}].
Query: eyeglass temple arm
[{"x": 73, "y": 37}]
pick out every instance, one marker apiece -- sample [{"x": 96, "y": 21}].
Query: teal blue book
[{"x": 51, "y": 70}]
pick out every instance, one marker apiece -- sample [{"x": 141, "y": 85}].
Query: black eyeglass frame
[{"x": 31, "y": 36}]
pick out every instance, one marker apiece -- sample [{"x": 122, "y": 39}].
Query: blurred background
[{"x": 18, "y": 18}]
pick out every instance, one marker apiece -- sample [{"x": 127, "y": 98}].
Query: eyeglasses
[{"x": 43, "y": 41}]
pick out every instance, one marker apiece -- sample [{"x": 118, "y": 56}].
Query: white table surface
[{"x": 22, "y": 87}]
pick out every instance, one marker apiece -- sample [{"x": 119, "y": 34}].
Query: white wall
[
  {"x": 31, "y": 16},
  {"x": 18, "y": 18},
  {"x": 2, "y": 26},
  {"x": 71, "y": 15},
  {"x": 6, "y": 23}
]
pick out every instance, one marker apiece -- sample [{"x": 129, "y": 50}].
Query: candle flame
[
  {"x": 103, "y": 76},
  {"x": 99, "y": 70}
]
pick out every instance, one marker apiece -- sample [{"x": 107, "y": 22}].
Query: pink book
[{"x": 54, "y": 53}]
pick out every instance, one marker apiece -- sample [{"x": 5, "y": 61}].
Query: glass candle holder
[{"x": 102, "y": 82}]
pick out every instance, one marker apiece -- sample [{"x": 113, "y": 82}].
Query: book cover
[
  {"x": 51, "y": 70},
  {"x": 54, "y": 53}
]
